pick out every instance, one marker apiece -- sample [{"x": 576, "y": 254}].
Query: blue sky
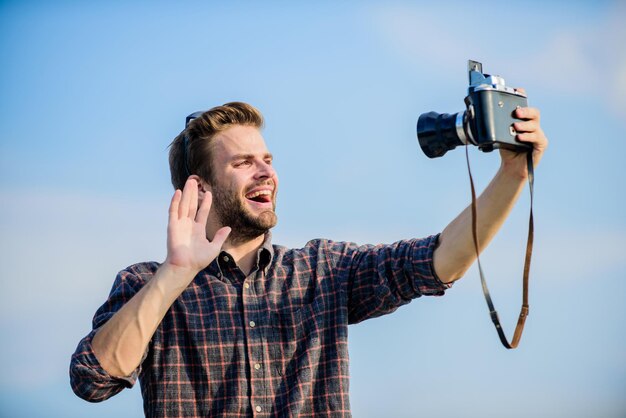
[{"x": 93, "y": 92}]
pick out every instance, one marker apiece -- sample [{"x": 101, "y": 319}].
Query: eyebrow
[{"x": 251, "y": 156}]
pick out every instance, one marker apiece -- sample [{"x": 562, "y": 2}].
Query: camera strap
[{"x": 517, "y": 335}]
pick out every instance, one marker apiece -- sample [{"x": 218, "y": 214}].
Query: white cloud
[
  {"x": 422, "y": 37},
  {"x": 587, "y": 59},
  {"x": 566, "y": 56}
]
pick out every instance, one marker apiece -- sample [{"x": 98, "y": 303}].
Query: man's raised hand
[
  {"x": 121, "y": 342},
  {"x": 188, "y": 248}
]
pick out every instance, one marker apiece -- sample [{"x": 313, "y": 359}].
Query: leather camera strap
[{"x": 529, "y": 250}]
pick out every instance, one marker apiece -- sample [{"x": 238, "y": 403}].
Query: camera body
[{"x": 487, "y": 121}]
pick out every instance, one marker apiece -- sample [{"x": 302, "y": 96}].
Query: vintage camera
[{"x": 487, "y": 121}]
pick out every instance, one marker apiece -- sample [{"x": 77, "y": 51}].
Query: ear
[{"x": 203, "y": 186}]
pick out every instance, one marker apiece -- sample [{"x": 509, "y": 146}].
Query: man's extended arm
[
  {"x": 456, "y": 252},
  {"x": 120, "y": 343}
]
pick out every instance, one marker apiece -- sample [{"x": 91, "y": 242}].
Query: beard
[{"x": 232, "y": 212}]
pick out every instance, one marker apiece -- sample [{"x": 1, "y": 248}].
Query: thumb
[{"x": 220, "y": 236}]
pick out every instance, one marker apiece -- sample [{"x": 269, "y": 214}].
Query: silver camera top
[{"x": 479, "y": 81}]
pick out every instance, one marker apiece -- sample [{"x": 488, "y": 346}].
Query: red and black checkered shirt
[{"x": 273, "y": 343}]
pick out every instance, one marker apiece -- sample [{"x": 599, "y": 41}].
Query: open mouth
[{"x": 260, "y": 196}]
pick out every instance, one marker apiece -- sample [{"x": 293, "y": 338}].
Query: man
[{"x": 232, "y": 325}]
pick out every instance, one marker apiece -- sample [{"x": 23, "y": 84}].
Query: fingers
[
  {"x": 220, "y": 236},
  {"x": 533, "y": 137},
  {"x": 205, "y": 207},
  {"x": 529, "y": 128},
  {"x": 193, "y": 198},
  {"x": 184, "y": 204},
  {"x": 526, "y": 126},
  {"x": 183, "y": 207},
  {"x": 527, "y": 113},
  {"x": 174, "y": 204},
  {"x": 189, "y": 200}
]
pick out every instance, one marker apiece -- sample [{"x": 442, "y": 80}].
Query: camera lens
[{"x": 438, "y": 133}]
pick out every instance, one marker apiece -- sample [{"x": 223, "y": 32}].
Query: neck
[{"x": 244, "y": 252}]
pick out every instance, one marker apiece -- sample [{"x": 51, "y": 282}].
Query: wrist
[
  {"x": 514, "y": 173},
  {"x": 177, "y": 275},
  {"x": 514, "y": 168}
]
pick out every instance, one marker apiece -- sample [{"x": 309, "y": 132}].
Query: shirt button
[
  {"x": 258, "y": 408},
  {"x": 252, "y": 324},
  {"x": 246, "y": 285},
  {"x": 225, "y": 258},
  {"x": 219, "y": 274},
  {"x": 257, "y": 366}
]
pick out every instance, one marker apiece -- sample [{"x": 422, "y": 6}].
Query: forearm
[
  {"x": 120, "y": 343},
  {"x": 456, "y": 251}
]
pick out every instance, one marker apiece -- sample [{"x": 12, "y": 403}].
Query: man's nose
[{"x": 265, "y": 170}]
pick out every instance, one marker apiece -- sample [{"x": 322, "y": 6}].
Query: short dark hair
[{"x": 191, "y": 150}]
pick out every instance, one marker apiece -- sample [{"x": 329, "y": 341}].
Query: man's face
[{"x": 244, "y": 183}]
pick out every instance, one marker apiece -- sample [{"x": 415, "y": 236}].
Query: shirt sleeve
[
  {"x": 381, "y": 278},
  {"x": 87, "y": 377}
]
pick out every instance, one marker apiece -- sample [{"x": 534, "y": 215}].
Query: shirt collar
[
  {"x": 266, "y": 252},
  {"x": 265, "y": 255}
]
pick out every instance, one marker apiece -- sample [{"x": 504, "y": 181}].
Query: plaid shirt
[{"x": 273, "y": 343}]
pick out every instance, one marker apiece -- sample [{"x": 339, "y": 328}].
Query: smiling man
[{"x": 231, "y": 324}]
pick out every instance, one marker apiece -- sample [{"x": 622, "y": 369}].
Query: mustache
[{"x": 268, "y": 182}]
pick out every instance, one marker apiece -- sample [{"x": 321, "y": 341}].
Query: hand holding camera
[
  {"x": 496, "y": 117},
  {"x": 529, "y": 131}
]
